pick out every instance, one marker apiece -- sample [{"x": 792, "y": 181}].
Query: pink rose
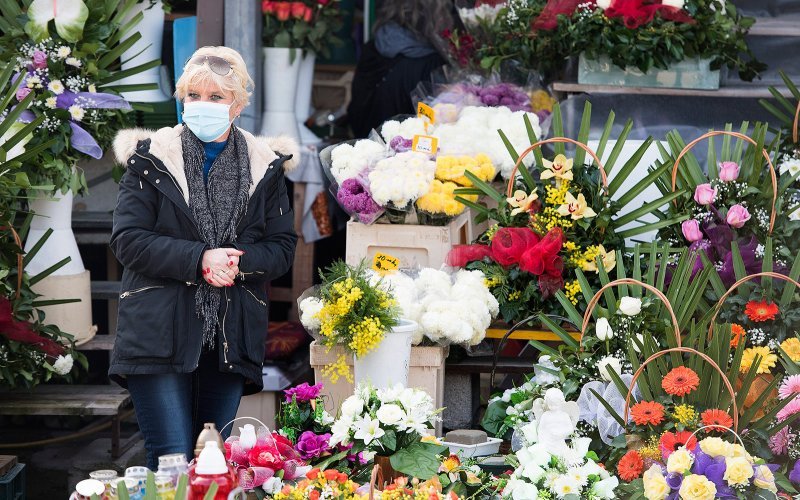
[
  {"x": 22, "y": 93},
  {"x": 39, "y": 59},
  {"x": 737, "y": 216},
  {"x": 728, "y": 171},
  {"x": 704, "y": 194},
  {"x": 691, "y": 230}
]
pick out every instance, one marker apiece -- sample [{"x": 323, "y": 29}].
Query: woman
[
  {"x": 406, "y": 48},
  {"x": 202, "y": 224}
]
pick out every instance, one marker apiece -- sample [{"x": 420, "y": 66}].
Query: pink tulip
[
  {"x": 704, "y": 194},
  {"x": 691, "y": 230},
  {"x": 737, "y": 216},
  {"x": 728, "y": 171}
]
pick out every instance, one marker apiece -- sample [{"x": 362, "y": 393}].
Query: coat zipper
[
  {"x": 254, "y": 296},
  {"x": 243, "y": 275},
  {"x": 224, "y": 337},
  {"x": 131, "y": 292},
  {"x": 162, "y": 171}
]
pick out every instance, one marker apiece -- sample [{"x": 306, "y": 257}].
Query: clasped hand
[{"x": 220, "y": 266}]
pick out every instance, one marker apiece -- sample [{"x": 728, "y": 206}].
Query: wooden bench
[{"x": 106, "y": 401}]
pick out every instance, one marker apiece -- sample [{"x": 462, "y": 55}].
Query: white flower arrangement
[
  {"x": 402, "y": 178},
  {"x": 406, "y": 129},
  {"x": 63, "y": 364},
  {"x": 369, "y": 414},
  {"x": 554, "y": 460},
  {"x": 475, "y": 132},
  {"x": 348, "y": 161},
  {"x": 485, "y": 12}
]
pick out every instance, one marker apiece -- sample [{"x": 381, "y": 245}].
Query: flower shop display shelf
[
  {"x": 692, "y": 73},
  {"x": 426, "y": 372},
  {"x": 414, "y": 246}
]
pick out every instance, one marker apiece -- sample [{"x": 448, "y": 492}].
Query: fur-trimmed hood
[{"x": 165, "y": 144}]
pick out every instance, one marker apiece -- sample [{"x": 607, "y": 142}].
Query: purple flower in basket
[
  {"x": 355, "y": 198},
  {"x": 303, "y": 392},
  {"x": 674, "y": 480},
  {"x": 794, "y": 475},
  {"x": 400, "y": 144},
  {"x": 39, "y": 59},
  {"x": 311, "y": 445}
]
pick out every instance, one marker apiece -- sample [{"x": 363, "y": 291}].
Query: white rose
[
  {"x": 678, "y": 4},
  {"x": 604, "y": 4},
  {"x": 390, "y": 414},
  {"x": 352, "y": 406},
  {"x": 63, "y": 364},
  {"x": 603, "y": 365},
  {"x": 603, "y": 330},
  {"x": 630, "y": 306}
]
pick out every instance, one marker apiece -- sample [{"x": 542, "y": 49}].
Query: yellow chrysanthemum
[
  {"x": 684, "y": 414},
  {"x": 441, "y": 199},
  {"x": 542, "y": 101},
  {"x": 453, "y": 168},
  {"x": 791, "y": 346},
  {"x": 768, "y": 360}
]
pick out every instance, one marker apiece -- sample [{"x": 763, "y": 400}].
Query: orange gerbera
[
  {"x": 671, "y": 441},
  {"x": 716, "y": 417},
  {"x": 630, "y": 466},
  {"x": 680, "y": 381},
  {"x": 761, "y": 311},
  {"x": 647, "y": 413},
  {"x": 737, "y": 334}
]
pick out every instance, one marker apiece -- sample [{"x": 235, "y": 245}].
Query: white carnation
[{"x": 63, "y": 364}]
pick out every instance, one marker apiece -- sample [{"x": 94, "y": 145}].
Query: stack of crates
[{"x": 12, "y": 478}]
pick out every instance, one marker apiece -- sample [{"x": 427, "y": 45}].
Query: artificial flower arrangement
[
  {"x": 547, "y": 229},
  {"x": 398, "y": 181},
  {"x": 464, "y": 478},
  {"x": 389, "y": 424},
  {"x": 303, "y": 420},
  {"x": 72, "y": 72},
  {"x": 349, "y": 310},
  {"x": 738, "y": 202},
  {"x": 310, "y": 25},
  {"x": 318, "y": 484},
  {"x": 784, "y": 444},
  {"x": 554, "y": 461}
]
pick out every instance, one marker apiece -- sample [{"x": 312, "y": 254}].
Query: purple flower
[
  {"x": 794, "y": 475},
  {"x": 674, "y": 480},
  {"x": 400, "y": 144},
  {"x": 39, "y": 59},
  {"x": 362, "y": 459},
  {"x": 779, "y": 443},
  {"x": 303, "y": 392},
  {"x": 22, "y": 93},
  {"x": 355, "y": 198},
  {"x": 312, "y": 445}
]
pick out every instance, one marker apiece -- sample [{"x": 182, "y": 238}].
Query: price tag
[
  {"x": 425, "y": 144},
  {"x": 426, "y": 113},
  {"x": 384, "y": 263}
]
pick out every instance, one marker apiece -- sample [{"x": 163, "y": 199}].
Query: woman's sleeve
[
  {"x": 272, "y": 257},
  {"x": 138, "y": 247}
]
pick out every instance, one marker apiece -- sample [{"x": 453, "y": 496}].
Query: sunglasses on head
[{"x": 217, "y": 64}]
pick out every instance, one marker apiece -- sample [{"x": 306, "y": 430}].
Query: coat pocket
[{"x": 146, "y": 323}]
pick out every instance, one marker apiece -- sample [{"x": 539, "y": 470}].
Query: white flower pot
[
  {"x": 305, "y": 84},
  {"x": 281, "y": 75},
  {"x": 148, "y": 48},
  {"x": 387, "y": 364},
  {"x": 71, "y": 281}
]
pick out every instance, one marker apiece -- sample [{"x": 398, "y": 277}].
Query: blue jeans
[{"x": 172, "y": 407}]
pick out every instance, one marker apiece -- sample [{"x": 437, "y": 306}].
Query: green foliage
[{"x": 420, "y": 460}]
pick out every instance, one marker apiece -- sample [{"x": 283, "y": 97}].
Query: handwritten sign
[
  {"x": 425, "y": 144},
  {"x": 426, "y": 113},
  {"x": 384, "y": 263}
]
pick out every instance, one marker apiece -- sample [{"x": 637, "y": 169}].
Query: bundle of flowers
[
  {"x": 439, "y": 205},
  {"x": 323, "y": 484},
  {"x": 349, "y": 161},
  {"x": 303, "y": 420},
  {"x": 310, "y": 25},
  {"x": 453, "y": 168},
  {"x": 403, "y": 489},
  {"x": 390, "y": 423},
  {"x": 354, "y": 197},
  {"x": 262, "y": 460},
  {"x": 553, "y": 461},
  {"x": 347, "y": 165},
  {"x": 399, "y": 180},
  {"x": 450, "y": 308},
  {"x": 406, "y": 129},
  {"x": 349, "y": 309}
]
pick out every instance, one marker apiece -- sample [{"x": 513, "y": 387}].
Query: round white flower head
[
  {"x": 603, "y": 329},
  {"x": 352, "y": 406},
  {"x": 604, "y": 4},
  {"x": 309, "y": 309},
  {"x": 51, "y": 102},
  {"x": 63, "y": 52},
  {"x": 76, "y": 112},
  {"x": 609, "y": 361},
  {"x": 630, "y": 306},
  {"x": 63, "y": 364},
  {"x": 74, "y": 61},
  {"x": 390, "y": 414},
  {"x": 565, "y": 485},
  {"x": 56, "y": 87},
  {"x": 678, "y": 4}
]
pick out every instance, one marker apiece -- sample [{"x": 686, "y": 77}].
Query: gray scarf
[{"x": 217, "y": 208}]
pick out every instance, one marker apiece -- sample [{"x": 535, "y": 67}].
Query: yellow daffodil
[
  {"x": 560, "y": 168},
  {"x": 609, "y": 260},
  {"x": 521, "y": 201},
  {"x": 577, "y": 208}
]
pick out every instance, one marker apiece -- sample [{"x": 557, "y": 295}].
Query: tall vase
[
  {"x": 146, "y": 49},
  {"x": 71, "y": 281},
  {"x": 305, "y": 85},
  {"x": 387, "y": 364},
  {"x": 281, "y": 73}
]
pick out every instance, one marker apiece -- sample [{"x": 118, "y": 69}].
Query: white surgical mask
[{"x": 208, "y": 120}]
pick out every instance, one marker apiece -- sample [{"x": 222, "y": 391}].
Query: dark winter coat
[{"x": 155, "y": 238}]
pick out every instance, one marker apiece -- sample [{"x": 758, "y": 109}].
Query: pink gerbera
[
  {"x": 789, "y": 410},
  {"x": 779, "y": 443},
  {"x": 790, "y": 386}
]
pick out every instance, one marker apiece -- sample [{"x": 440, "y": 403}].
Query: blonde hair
[{"x": 238, "y": 81}]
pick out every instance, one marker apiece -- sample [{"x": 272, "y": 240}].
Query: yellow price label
[
  {"x": 425, "y": 144},
  {"x": 385, "y": 263},
  {"x": 426, "y": 113}
]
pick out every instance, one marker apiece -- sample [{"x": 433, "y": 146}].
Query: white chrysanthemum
[
  {"x": 63, "y": 52},
  {"x": 309, "y": 308},
  {"x": 433, "y": 280},
  {"x": 402, "y": 178},
  {"x": 74, "y": 61},
  {"x": 348, "y": 161},
  {"x": 63, "y": 364},
  {"x": 56, "y": 87},
  {"x": 76, "y": 112},
  {"x": 51, "y": 102},
  {"x": 407, "y": 129},
  {"x": 443, "y": 320}
]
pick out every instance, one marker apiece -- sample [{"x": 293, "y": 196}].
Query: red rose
[
  {"x": 268, "y": 7},
  {"x": 510, "y": 243},
  {"x": 298, "y": 9},
  {"x": 308, "y": 14},
  {"x": 265, "y": 456},
  {"x": 283, "y": 10}
]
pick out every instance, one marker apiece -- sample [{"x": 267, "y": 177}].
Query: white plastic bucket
[{"x": 387, "y": 364}]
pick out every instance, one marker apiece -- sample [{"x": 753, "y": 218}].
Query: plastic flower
[
  {"x": 704, "y": 194},
  {"x": 303, "y": 392},
  {"x": 73, "y": 61},
  {"x": 737, "y": 334},
  {"x": 768, "y": 360},
  {"x": 522, "y": 201},
  {"x": 655, "y": 486},
  {"x": 789, "y": 387},
  {"x": 716, "y": 417},
  {"x": 609, "y": 260},
  {"x": 680, "y": 462},
  {"x": 576, "y": 208},
  {"x": 63, "y": 52},
  {"x": 738, "y": 471},
  {"x": 761, "y": 311},
  {"x": 791, "y": 346},
  {"x": 680, "y": 381},
  {"x": 647, "y": 413},
  {"x": 56, "y": 87},
  {"x": 630, "y": 466},
  {"x": 697, "y": 487},
  {"x": 560, "y": 168},
  {"x": 789, "y": 410},
  {"x": 671, "y": 441}
]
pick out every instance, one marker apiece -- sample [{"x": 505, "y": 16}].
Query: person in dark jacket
[
  {"x": 202, "y": 224},
  {"x": 406, "y": 49}
]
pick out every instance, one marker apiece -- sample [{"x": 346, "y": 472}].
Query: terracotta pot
[{"x": 758, "y": 386}]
